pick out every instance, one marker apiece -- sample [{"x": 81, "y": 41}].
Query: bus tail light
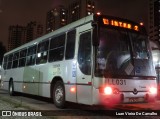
[{"x": 153, "y": 90}]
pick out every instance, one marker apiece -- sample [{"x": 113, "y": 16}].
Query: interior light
[{"x": 39, "y": 54}]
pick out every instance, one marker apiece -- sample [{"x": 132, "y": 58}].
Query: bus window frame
[
  {"x": 21, "y": 57},
  {"x": 53, "y": 49},
  {"x": 41, "y": 59},
  {"x": 66, "y": 44},
  {"x": 31, "y": 55}
]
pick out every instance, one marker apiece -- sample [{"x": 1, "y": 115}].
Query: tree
[{"x": 2, "y": 51}]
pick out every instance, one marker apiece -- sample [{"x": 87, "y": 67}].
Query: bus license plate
[{"x": 133, "y": 99}]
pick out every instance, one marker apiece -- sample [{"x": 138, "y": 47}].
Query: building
[
  {"x": 39, "y": 30},
  {"x": 16, "y": 36},
  {"x": 56, "y": 18},
  {"x": 154, "y": 20},
  {"x": 80, "y": 8},
  {"x": 19, "y": 35},
  {"x": 76, "y": 9},
  {"x": 33, "y": 31}
]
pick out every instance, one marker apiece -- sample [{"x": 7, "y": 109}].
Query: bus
[{"x": 97, "y": 60}]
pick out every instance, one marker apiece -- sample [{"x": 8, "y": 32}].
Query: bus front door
[{"x": 84, "y": 78}]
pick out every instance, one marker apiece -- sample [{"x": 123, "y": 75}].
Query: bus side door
[{"x": 84, "y": 81}]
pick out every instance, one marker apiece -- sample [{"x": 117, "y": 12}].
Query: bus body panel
[
  {"x": 18, "y": 79},
  {"x": 133, "y": 90},
  {"x": 30, "y": 80}
]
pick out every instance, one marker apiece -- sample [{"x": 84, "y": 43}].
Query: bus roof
[
  {"x": 68, "y": 27},
  {"x": 56, "y": 32}
]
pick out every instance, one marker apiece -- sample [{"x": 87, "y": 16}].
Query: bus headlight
[
  {"x": 153, "y": 90},
  {"x": 107, "y": 90}
]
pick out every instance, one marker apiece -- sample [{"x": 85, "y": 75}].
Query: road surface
[{"x": 24, "y": 104}]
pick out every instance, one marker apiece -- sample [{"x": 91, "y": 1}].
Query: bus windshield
[
  {"x": 121, "y": 53},
  {"x": 139, "y": 46}
]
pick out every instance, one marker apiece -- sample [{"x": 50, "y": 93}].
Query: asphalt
[{"x": 24, "y": 102}]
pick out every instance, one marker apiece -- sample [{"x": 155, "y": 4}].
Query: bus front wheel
[{"x": 59, "y": 94}]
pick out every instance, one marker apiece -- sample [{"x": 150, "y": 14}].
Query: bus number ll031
[{"x": 116, "y": 81}]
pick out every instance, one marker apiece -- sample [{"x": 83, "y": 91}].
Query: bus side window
[
  {"x": 22, "y": 57},
  {"x": 56, "y": 52},
  {"x": 5, "y": 62},
  {"x": 9, "y": 64},
  {"x": 42, "y": 52},
  {"x": 70, "y": 45},
  {"x": 15, "y": 60},
  {"x": 31, "y": 55},
  {"x": 84, "y": 53}
]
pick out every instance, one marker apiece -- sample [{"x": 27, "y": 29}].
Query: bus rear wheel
[
  {"x": 59, "y": 95},
  {"x": 11, "y": 88}
]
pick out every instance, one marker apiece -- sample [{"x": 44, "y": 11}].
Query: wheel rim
[{"x": 59, "y": 94}]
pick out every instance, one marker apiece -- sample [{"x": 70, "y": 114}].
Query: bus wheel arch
[
  {"x": 11, "y": 87},
  {"x": 58, "y": 92}
]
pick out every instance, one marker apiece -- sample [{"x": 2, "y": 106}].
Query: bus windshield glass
[
  {"x": 139, "y": 46},
  {"x": 121, "y": 53}
]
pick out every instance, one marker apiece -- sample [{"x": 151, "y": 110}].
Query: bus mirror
[{"x": 95, "y": 34}]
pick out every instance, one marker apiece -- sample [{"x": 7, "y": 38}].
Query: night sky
[{"x": 21, "y": 12}]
